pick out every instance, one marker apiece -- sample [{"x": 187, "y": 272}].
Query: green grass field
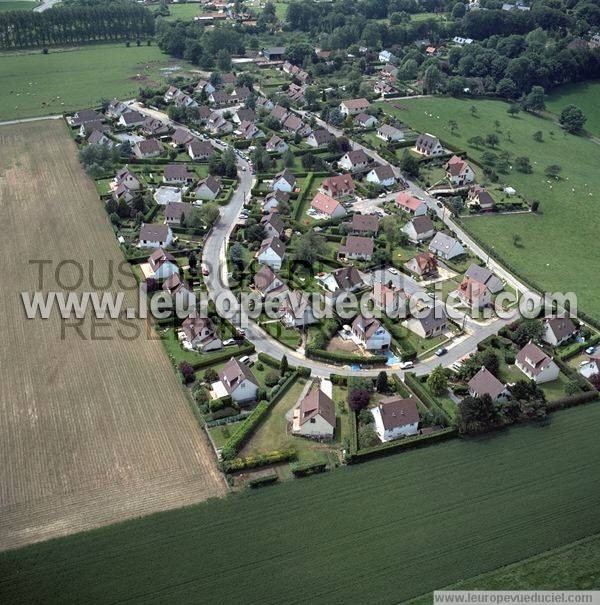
[
  {"x": 381, "y": 532},
  {"x": 555, "y": 252},
  {"x": 16, "y": 5},
  {"x": 582, "y": 94},
  {"x": 33, "y": 84},
  {"x": 184, "y": 12},
  {"x": 572, "y": 567}
]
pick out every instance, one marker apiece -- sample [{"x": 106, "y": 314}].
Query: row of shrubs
[
  {"x": 307, "y": 468},
  {"x": 413, "y": 383},
  {"x": 574, "y": 348},
  {"x": 345, "y": 358},
  {"x": 262, "y": 481},
  {"x": 220, "y": 356},
  {"x": 237, "y": 440},
  {"x": 226, "y": 420},
  {"x": 572, "y": 401},
  {"x": 302, "y": 371},
  {"x": 392, "y": 447},
  {"x": 238, "y": 464}
]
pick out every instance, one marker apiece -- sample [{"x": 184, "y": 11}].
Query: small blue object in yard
[
  {"x": 392, "y": 359},
  {"x": 355, "y": 367}
]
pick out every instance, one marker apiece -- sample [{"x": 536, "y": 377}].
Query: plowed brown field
[{"x": 92, "y": 430}]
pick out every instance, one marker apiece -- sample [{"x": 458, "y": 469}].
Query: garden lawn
[
  {"x": 33, "y": 84},
  {"x": 469, "y": 506},
  {"x": 557, "y": 242},
  {"x": 287, "y": 336},
  {"x": 16, "y": 5},
  {"x": 584, "y": 95}
]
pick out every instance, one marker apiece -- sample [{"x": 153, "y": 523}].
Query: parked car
[
  {"x": 393, "y": 270},
  {"x": 406, "y": 365},
  {"x": 590, "y": 350},
  {"x": 245, "y": 359},
  {"x": 229, "y": 342},
  {"x": 441, "y": 351},
  {"x": 205, "y": 270}
]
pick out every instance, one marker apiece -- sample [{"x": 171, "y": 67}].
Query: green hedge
[
  {"x": 302, "y": 197},
  {"x": 412, "y": 382},
  {"x": 392, "y": 447},
  {"x": 262, "y": 481},
  {"x": 269, "y": 360},
  {"x": 307, "y": 468},
  {"x": 345, "y": 358},
  {"x": 574, "y": 348},
  {"x": 220, "y": 356},
  {"x": 572, "y": 401},
  {"x": 227, "y": 420},
  {"x": 258, "y": 460}
]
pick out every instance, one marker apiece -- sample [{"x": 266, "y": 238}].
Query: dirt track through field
[{"x": 91, "y": 431}]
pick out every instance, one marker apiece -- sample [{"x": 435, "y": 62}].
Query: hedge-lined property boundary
[
  {"x": 345, "y": 358},
  {"x": 412, "y": 382},
  {"x": 238, "y": 464}
]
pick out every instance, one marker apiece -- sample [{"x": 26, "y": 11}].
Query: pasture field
[
  {"x": 555, "y": 245},
  {"x": 582, "y": 94},
  {"x": 380, "y": 532},
  {"x": 94, "y": 425},
  {"x": 184, "y": 12},
  {"x": 575, "y": 566},
  {"x": 33, "y": 84},
  {"x": 14, "y": 5}
]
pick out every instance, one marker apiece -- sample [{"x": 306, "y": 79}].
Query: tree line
[{"x": 75, "y": 24}]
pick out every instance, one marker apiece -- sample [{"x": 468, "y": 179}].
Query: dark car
[{"x": 441, "y": 351}]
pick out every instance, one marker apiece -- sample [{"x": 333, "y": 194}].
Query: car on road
[
  {"x": 243, "y": 168},
  {"x": 406, "y": 365},
  {"x": 205, "y": 270},
  {"x": 383, "y": 194},
  {"x": 590, "y": 350},
  {"x": 441, "y": 351},
  {"x": 393, "y": 270}
]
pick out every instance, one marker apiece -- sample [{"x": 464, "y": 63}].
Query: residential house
[
  {"x": 271, "y": 253},
  {"x": 249, "y": 131},
  {"x": 327, "y": 206},
  {"x": 485, "y": 276},
  {"x": 590, "y": 367},
  {"x": 88, "y": 127},
  {"x": 220, "y": 98},
  {"x": 84, "y": 115},
  {"x": 294, "y": 125},
  {"x": 131, "y": 118},
  {"x": 390, "y": 134},
  {"x": 284, "y": 181},
  {"x": 180, "y": 292},
  {"x": 382, "y": 175},
  {"x": 245, "y": 114},
  {"x": 149, "y": 148},
  {"x": 458, "y": 171},
  {"x": 280, "y": 113},
  {"x": 364, "y": 224},
  {"x": 264, "y": 103},
  {"x": 479, "y": 196},
  {"x": 462, "y": 41},
  {"x": 273, "y": 225},
  {"x": 162, "y": 264},
  {"x": 154, "y": 235},
  {"x": 125, "y": 185},
  {"x": 396, "y": 417},
  {"x": 385, "y": 56},
  {"x": 175, "y": 212},
  {"x": 170, "y": 94},
  {"x": 116, "y": 109},
  {"x": 228, "y": 79},
  {"x": 273, "y": 199},
  {"x": 429, "y": 322},
  {"x": 208, "y": 189},
  {"x": 423, "y": 265},
  {"x": 296, "y": 92},
  {"x": 428, "y": 145},
  {"x": 241, "y": 94},
  {"x": 266, "y": 281},
  {"x": 338, "y": 186},
  {"x": 276, "y": 144},
  {"x": 474, "y": 294},
  {"x": 558, "y": 330},
  {"x": 390, "y": 300},
  {"x": 296, "y": 310},
  {"x": 419, "y": 229},
  {"x": 218, "y": 125},
  {"x": 200, "y": 151},
  {"x": 178, "y": 174},
  {"x": 346, "y": 279},
  {"x": 364, "y": 120},
  {"x": 201, "y": 333},
  {"x": 410, "y": 204},
  {"x": 153, "y": 127},
  {"x": 370, "y": 333},
  {"x": 355, "y": 161},
  {"x": 357, "y": 248},
  {"x": 536, "y": 364},
  {"x": 273, "y": 53},
  {"x": 445, "y": 246},
  {"x": 320, "y": 138},
  {"x": 314, "y": 416},
  {"x": 204, "y": 86},
  {"x": 485, "y": 383},
  {"x": 239, "y": 382},
  {"x": 353, "y": 107},
  {"x": 384, "y": 87},
  {"x": 97, "y": 137},
  {"x": 181, "y": 137}
]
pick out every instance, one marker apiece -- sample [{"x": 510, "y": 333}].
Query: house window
[{"x": 312, "y": 420}]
